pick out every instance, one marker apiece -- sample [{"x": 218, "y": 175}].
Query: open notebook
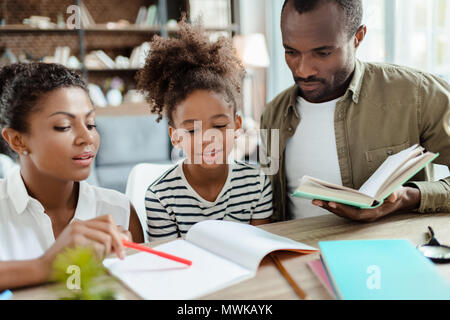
[
  {"x": 222, "y": 253},
  {"x": 394, "y": 171}
]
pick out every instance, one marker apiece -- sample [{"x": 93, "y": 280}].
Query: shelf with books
[
  {"x": 104, "y": 28},
  {"x": 19, "y": 28},
  {"x": 111, "y": 41}
]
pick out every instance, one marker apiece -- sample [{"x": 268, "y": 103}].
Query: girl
[
  {"x": 196, "y": 85},
  {"x": 46, "y": 117}
]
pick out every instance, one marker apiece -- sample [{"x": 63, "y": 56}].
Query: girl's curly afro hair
[{"x": 176, "y": 67}]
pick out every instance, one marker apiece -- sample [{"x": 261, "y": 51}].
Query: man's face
[{"x": 318, "y": 50}]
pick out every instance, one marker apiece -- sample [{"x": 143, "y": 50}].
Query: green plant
[{"x": 81, "y": 275}]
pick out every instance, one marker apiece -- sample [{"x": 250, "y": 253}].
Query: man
[{"x": 343, "y": 117}]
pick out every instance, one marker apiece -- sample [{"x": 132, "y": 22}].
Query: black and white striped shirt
[{"x": 173, "y": 206}]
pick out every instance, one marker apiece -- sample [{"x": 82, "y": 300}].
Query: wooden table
[{"x": 269, "y": 284}]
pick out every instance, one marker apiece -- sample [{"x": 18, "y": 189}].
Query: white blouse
[{"x": 26, "y": 231}]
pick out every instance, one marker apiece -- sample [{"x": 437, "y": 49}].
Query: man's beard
[{"x": 326, "y": 91}]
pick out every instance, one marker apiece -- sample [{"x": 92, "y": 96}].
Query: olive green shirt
[{"x": 385, "y": 109}]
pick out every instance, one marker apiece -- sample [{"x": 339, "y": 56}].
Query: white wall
[{"x": 263, "y": 16}]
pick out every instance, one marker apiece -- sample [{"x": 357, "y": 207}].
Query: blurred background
[{"x": 107, "y": 42}]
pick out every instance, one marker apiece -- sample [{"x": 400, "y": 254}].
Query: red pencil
[{"x": 139, "y": 247}]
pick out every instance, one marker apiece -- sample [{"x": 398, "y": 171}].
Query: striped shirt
[{"x": 173, "y": 206}]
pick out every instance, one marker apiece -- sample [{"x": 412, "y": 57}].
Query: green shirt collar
[{"x": 356, "y": 83}]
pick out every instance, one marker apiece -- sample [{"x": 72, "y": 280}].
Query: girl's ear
[
  {"x": 237, "y": 126},
  {"x": 15, "y": 140},
  {"x": 175, "y": 137}
]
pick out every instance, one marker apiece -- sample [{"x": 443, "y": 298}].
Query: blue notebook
[{"x": 381, "y": 270}]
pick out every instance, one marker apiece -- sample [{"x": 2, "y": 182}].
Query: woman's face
[
  {"x": 205, "y": 127},
  {"x": 62, "y": 140}
]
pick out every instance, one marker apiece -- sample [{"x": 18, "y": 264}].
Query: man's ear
[
  {"x": 15, "y": 140},
  {"x": 359, "y": 36}
]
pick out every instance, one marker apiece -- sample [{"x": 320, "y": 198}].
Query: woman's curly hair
[{"x": 176, "y": 67}]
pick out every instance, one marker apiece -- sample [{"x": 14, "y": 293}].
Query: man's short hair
[{"x": 353, "y": 10}]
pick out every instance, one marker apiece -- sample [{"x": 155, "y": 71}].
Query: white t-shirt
[
  {"x": 312, "y": 151},
  {"x": 173, "y": 206},
  {"x": 26, "y": 231}
]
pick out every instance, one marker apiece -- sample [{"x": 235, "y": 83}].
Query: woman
[{"x": 46, "y": 117}]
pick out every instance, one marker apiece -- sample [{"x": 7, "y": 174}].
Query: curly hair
[
  {"x": 23, "y": 84},
  {"x": 176, "y": 67},
  {"x": 353, "y": 10}
]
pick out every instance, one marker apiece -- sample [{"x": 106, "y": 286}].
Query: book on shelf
[
  {"x": 98, "y": 59},
  {"x": 62, "y": 55},
  {"x": 222, "y": 253},
  {"x": 147, "y": 17},
  {"x": 86, "y": 18},
  {"x": 393, "y": 172},
  {"x": 142, "y": 14},
  {"x": 151, "y": 16},
  {"x": 139, "y": 55}
]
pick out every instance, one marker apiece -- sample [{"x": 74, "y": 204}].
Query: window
[
  {"x": 373, "y": 48},
  {"x": 414, "y": 33}
]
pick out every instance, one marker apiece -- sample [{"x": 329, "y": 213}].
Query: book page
[
  {"x": 400, "y": 177},
  {"x": 310, "y": 189},
  {"x": 242, "y": 243},
  {"x": 387, "y": 168},
  {"x": 153, "y": 277},
  {"x": 319, "y": 183}
]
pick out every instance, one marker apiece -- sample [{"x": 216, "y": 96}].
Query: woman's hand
[
  {"x": 101, "y": 233},
  {"x": 127, "y": 234}
]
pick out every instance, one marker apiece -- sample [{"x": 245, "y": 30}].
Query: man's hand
[{"x": 405, "y": 198}]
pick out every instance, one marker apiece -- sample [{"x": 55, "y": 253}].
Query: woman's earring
[{"x": 25, "y": 153}]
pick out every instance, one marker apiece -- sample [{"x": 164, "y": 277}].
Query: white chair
[{"x": 140, "y": 178}]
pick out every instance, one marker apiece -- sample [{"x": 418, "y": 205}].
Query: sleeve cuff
[{"x": 434, "y": 196}]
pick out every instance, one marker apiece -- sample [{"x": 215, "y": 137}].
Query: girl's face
[
  {"x": 205, "y": 127},
  {"x": 62, "y": 140}
]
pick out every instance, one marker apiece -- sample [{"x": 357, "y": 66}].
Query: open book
[
  {"x": 222, "y": 253},
  {"x": 395, "y": 171}
]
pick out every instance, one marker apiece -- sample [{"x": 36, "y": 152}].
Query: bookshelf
[{"x": 109, "y": 34}]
